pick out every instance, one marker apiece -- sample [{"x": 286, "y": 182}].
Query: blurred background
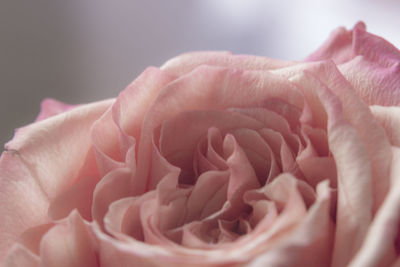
[{"x": 81, "y": 51}]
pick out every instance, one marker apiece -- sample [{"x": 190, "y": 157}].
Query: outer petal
[
  {"x": 54, "y": 149},
  {"x": 379, "y": 247},
  {"x": 362, "y": 166},
  {"x": 41, "y": 160},
  {"x": 23, "y": 201},
  {"x": 339, "y": 46},
  {"x": 370, "y": 63},
  {"x": 355, "y": 111},
  {"x": 185, "y": 63},
  {"x": 51, "y": 107},
  {"x": 389, "y": 118},
  {"x": 133, "y": 103}
]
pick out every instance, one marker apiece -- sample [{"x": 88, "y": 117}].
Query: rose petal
[
  {"x": 375, "y": 69},
  {"x": 370, "y": 63},
  {"x": 339, "y": 46},
  {"x": 258, "y": 153},
  {"x": 273, "y": 121},
  {"x": 68, "y": 244},
  {"x": 389, "y": 118},
  {"x": 311, "y": 241},
  {"x": 208, "y": 195},
  {"x": 79, "y": 197},
  {"x": 185, "y": 63},
  {"x": 350, "y": 147},
  {"x": 31, "y": 238},
  {"x": 51, "y": 107},
  {"x": 354, "y": 208},
  {"x": 54, "y": 149},
  {"x": 123, "y": 217},
  {"x": 23, "y": 201},
  {"x": 341, "y": 95},
  {"x": 20, "y": 256},
  {"x": 105, "y": 136},
  {"x": 379, "y": 246},
  {"x": 113, "y": 252},
  {"x": 133, "y": 102},
  {"x": 115, "y": 185}
]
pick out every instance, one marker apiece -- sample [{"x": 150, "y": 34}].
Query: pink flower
[{"x": 216, "y": 159}]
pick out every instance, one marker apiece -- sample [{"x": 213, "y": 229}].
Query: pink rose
[{"x": 216, "y": 159}]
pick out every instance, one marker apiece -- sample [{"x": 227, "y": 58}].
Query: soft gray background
[{"x": 80, "y": 51}]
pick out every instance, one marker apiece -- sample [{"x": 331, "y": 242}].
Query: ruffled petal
[
  {"x": 310, "y": 243},
  {"x": 329, "y": 93},
  {"x": 115, "y": 185},
  {"x": 209, "y": 88}
]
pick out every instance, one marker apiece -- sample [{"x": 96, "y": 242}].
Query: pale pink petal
[
  {"x": 242, "y": 175},
  {"x": 318, "y": 138},
  {"x": 374, "y": 71},
  {"x": 79, "y": 196},
  {"x": 105, "y": 136},
  {"x": 115, "y": 185},
  {"x": 31, "y": 238},
  {"x": 370, "y": 63},
  {"x": 309, "y": 244},
  {"x": 317, "y": 169},
  {"x": 208, "y": 153},
  {"x": 323, "y": 83},
  {"x": 273, "y": 121},
  {"x": 24, "y": 203},
  {"x": 379, "y": 247},
  {"x": 68, "y": 244},
  {"x": 123, "y": 217},
  {"x": 26, "y": 251},
  {"x": 355, "y": 199},
  {"x": 159, "y": 168},
  {"x": 19, "y": 256},
  {"x": 54, "y": 150},
  {"x": 151, "y": 220},
  {"x": 214, "y": 149},
  {"x": 113, "y": 252},
  {"x": 133, "y": 102},
  {"x": 185, "y": 63},
  {"x": 287, "y": 194},
  {"x": 339, "y": 46},
  {"x": 203, "y": 200},
  {"x": 51, "y": 107},
  {"x": 389, "y": 118},
  {"x": 284, "y": 155},
  {"x": 258, "y": 153},
  {"x": 361, "y": 164}
]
